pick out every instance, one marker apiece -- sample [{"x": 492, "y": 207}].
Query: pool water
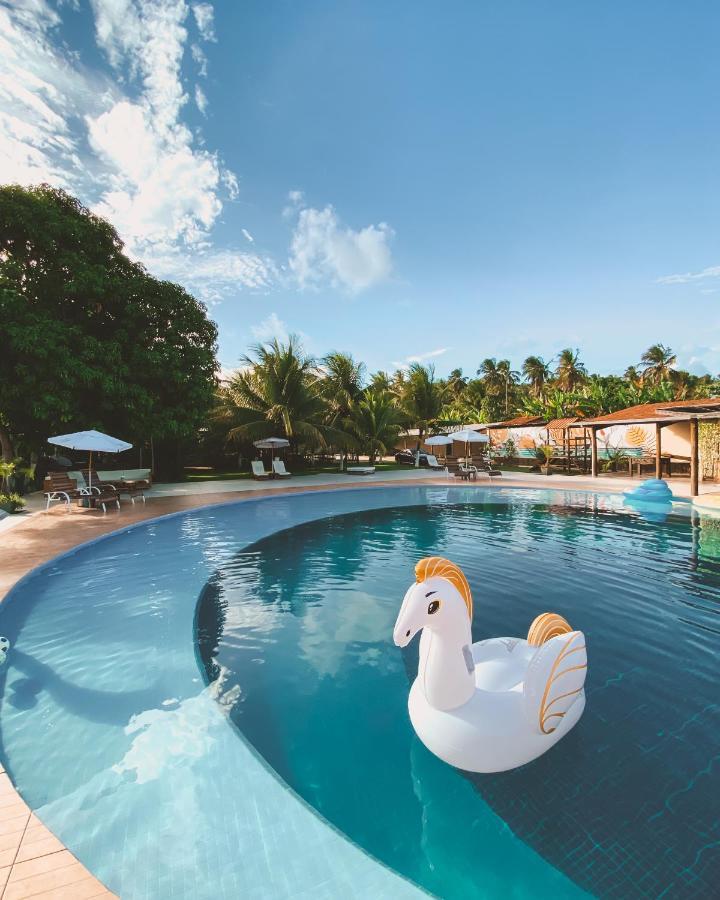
[
  {"x": 160, "y": 680},
  {"x": 301, "y": 621}
]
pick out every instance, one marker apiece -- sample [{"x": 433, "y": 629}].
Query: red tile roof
[
  {"x": 519, "y": 422},
  {"x": 562, "y": 424},
  {"x": 652, "y": 412}
]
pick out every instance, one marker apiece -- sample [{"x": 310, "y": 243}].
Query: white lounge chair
[
  {"x": 258, "y": 470},
  {"x": 434, "y": 464},
  {"x": 360, "y": 470},
  {"x": 279, "y": 469}
]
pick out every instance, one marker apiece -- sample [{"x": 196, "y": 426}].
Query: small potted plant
[{"x": 547, "y": 451}]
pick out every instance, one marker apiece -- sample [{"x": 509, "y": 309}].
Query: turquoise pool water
[{"x": 143, "y": 664}]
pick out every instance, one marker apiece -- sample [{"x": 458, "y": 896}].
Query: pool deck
[{"x": 33, "y": 862}]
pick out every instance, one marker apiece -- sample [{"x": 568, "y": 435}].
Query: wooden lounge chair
[
  {"x": 279, "y": 469},
  {"x": 58, "y": 487},
  {"x": 258, "y": 471},
  {"x": 122, "y": 486}
]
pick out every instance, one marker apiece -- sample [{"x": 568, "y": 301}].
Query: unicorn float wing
[
  {"x": 554, "y": 678},
  {"x": 496, "y": 704}
]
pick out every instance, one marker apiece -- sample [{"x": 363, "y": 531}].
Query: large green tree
[{"x": 89, "y": 339}]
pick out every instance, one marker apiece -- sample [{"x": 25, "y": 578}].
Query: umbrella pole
[{"x": 90, "y": 471}]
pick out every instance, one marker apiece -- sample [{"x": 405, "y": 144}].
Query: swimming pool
[{"x": 138, "y": 719}]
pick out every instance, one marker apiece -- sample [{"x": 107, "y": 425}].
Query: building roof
[
  {"x": 659, "y": 412},
  {"x": 518, "y": 422},
  {"x": 562, "y": 424}
]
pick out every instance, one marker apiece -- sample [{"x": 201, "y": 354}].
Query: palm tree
[
  {"x": 342, "y": 382},
  {"x": 633, "y": 376},
  {"x": 537, "y": 373},
  {"x": 275, "y": 393},
  {"x": 380, "y": 381},
  {"x": 570, "y": 372},
  {"x": 456, "y": 383},
  {"x": 375, "y": 423},
  {"x": 657, "y": 363},
  {"x": 421, "y": 400},
  {"x": 498, "y": 376}
]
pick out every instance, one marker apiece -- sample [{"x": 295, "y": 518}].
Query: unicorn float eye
[{"x": 433, "y": 607}]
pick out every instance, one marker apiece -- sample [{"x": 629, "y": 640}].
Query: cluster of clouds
[
  {"x": 703, "y": 277},
  {"x": 323, "y": 249},
  {"x": 116, "y": 137}
]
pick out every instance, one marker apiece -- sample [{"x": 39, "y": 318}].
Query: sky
[{"x": 405, "y": 181}]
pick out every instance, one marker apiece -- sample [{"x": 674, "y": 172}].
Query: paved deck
[{"x": 33, "y": 863}]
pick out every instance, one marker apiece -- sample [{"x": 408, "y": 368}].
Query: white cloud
[
  {"x": 200, "y": 99},
  {"x": 246, "y": 234},
  {"x": 419, "y": 358},
  {"x": 198, "y": 55},
  {"x": 688, "y": 277},
  {"x": 41, "y": 91},
  {"x": 323, "y": 250},
  {"x": 699, "y": 359},
  {"x": 119, "y": 143},
  {"x": 205, "y": 20},
  {"x": 272, "y": 328},
  {"x": 211, "y": 274},
  {"x": 424, "y": 357}
]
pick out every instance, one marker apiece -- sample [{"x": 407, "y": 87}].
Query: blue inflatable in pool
[{"x": 653, "y": 499}]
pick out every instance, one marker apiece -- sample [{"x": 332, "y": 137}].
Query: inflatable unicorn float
[{"x": 496, "y": 704}]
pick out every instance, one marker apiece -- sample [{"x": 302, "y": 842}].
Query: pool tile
[
  {"x": 17, "y": 823},
  {"x": 69, "y": 875}
]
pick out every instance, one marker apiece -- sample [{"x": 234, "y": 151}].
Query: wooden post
[
  {"x": 593, "y": 450},
  {"x": 694, "y": 458},
  {"x": 658, "y": 450}
]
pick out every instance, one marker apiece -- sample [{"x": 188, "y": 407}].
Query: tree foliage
[{"x": 89, "y": 339}]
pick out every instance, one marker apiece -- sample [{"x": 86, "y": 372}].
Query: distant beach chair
[
  {"x": 258, "y": 470},
  {"x": 434, "y": 464},
  {"x": 280, "y": 470}
]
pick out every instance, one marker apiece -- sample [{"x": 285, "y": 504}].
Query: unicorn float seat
[{"x": 496, "y": 704}]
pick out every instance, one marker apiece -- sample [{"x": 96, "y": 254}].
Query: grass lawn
[{"x": 197, "y": 473}]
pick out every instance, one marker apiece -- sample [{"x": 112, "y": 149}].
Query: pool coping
[{"x": 41, "y": 866}]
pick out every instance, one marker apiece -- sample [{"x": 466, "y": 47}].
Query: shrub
[{"x": 11, "y": 502}]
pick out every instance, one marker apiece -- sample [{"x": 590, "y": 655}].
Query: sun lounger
[
  {"x": 360, "y": 470},
  {"x": 59, "y": 487},
  {"x": 279, "y": 469},
  {"x": 122, "y": 485},
  {"x": 434, "y": 464},
  {"x": 258, "y": 470}
]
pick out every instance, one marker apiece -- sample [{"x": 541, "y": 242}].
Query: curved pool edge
[{"x": 376, "y": 876}]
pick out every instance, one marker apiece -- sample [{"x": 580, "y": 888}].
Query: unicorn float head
[{"x": 495, "y": 704}]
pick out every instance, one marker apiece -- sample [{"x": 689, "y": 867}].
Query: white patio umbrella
[
  {"x": 467, "y": 436},
  {"x": 271, "y": 443},
  {"x": 439, "y": 440},
  {"x": 92, "y": 441}
]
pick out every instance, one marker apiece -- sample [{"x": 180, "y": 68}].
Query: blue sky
[{"x": 441, "y": 182}]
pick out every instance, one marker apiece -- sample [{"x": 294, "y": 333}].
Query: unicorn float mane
[{"x": 439, "y": 567}]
